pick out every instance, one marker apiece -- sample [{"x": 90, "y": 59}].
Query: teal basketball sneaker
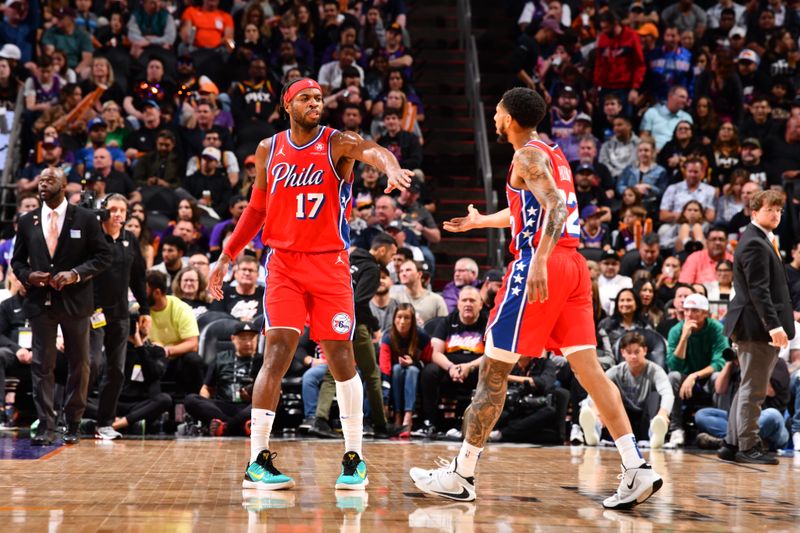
[
  {"x": 354, "y": 473},
  {"x": 262, "y": 474}
]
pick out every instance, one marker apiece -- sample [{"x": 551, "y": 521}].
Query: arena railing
[
  {"x": 7, "y": 202},
  {"x": 472, "y": 88}
]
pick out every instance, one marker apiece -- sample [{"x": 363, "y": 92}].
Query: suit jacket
[
  {"x": 762, "y": 301},
  {"x": 81, "y": 246}
]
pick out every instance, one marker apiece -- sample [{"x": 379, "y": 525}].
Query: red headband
[{"x": 300, "y": 85}]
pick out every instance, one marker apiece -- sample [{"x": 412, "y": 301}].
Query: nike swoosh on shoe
[
  {"x": 461, "y": 496},
  {"x": 630, "y": 485}
]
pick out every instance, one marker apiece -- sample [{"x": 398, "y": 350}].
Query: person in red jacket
[{"x": 619, "y": 65}]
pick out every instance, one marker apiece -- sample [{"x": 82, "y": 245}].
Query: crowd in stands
[{"x": 674, "y": 117}]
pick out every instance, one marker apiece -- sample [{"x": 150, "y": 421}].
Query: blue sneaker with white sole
[
  {"x": 261, "y": 474},
  {"x": 354, "y": 473}
]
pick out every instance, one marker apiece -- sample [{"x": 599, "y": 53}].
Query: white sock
[
  {"x": 629, "y": 451},
  {"x": 350, "y": 397},
  {"x": 260, "y": 427},
  {"x": 467, "y": 459}
]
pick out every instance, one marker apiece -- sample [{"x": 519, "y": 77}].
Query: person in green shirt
[
  {"x": 76, "y": 44},
  {"x": 694, "y": 358}
]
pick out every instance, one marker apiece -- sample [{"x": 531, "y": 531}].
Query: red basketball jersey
[
  {"x": 308, "y": 203},
  {"x": 527, "y": 216}
]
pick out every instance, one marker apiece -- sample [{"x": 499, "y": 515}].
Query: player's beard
[
  {"x": 502, "y": 138},
  {"x": 305, "y": 122}
]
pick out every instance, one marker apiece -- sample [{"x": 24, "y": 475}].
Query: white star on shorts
[
  {"x": 515, "y": 291},
  {"x": 518, "y": 279},
  {"x": 520, "y": 266},
  {"x": 532, "y": 212}
]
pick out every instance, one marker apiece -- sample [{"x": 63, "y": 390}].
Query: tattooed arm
[
  {"x": 487, "y": 404},
  {"x": 532, "y": 166}
]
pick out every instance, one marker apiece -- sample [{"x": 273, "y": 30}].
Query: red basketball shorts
[
  {"x": 317, "y": 286},
  {"x": 564, "y": 320}
]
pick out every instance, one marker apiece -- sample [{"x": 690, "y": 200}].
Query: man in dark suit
[
  {"x": 760, "y": 321},
  {"x": 59, "y": 249}
]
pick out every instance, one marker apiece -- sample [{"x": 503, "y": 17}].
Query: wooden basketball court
[{"x": 194, "y": 484}]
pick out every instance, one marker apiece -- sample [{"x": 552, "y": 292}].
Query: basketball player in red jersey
[
  {"x": 545, "y": 303},
  {"x": 302, "y": 200}
]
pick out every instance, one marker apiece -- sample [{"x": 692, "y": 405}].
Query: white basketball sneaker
[
  {"x": 444, "y": 481},
  {"x": 590, "y": 426},
  {"x": 636, "y": 486}
]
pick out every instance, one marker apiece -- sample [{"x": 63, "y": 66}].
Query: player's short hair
[
  {"x": 631, "y": 338},
  {"x": 157, "y": 281},
  {"x": 526, "y": 106},
  {"x": 768, "y": 198},
  {"x": 382, "y": 239}
]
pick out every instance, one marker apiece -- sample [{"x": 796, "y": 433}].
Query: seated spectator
[
  {"x": 677, "y": 195},
  {"x": 645, "y": 289},
  {"x": 395, "y": 80},
  {"x": 228, "y": 163},
  {"x": 151, "y": 29},
  {"x": 117, "y": 129},
  {"x": 720, "y": 290},
  {"x": 106, "y": 177},
  {"x": 209, "y": 185},
  {"x": 694, "y": 355},
  {"x": 531, "y": 413},
  {"x": 175, "y": 330},
  {"x": 701, "y": 266},
  {"x": 404, "y": 145},
  {"x": 191, "y": 233},
  {"x": 647, "y": 177},
  {"x": 627, "y": 316},
  {"x": 729, "y": 203},
  {"x": 759, "y": 123},
  {"x": 418, "y": 219},
  {"x": 661, "y": 120},
  {"x": 15, "y": 347},
  {"x": 465, "y": 273},
  {"x": 173, "y": 250},
  {"x": 368, "y": 186},
  {"x": 673, "y": 305},
  {"x": 405, "y": 347},
  {"x": 793, "y": 275},
  {"x": 202, "y": 121},
  {"x": 646, "y": 257},
  {"x": 52, "y": 156},
  {"x": 395, "y": 52},
  {"x": 72, "y": 131},
  {"x": 291, "y": 32},
  {"x": 161, "y": 167},
  {"x": 98, "y": 131},
  {"x": 141, "y": 401},
  {"x": 243, "y": 299},
  {"x": 610, "y": 281},
  {"x": 397, "y": 99},
  {"x": 725, "y": 152},
  {"x": 712, "y": 422},
  {"x": 688, "y": 233},
  {"x": 634, "y": 222},
  {"x": 102, "y": 75},
  {"x": 225, "y": 399},
  {"x": 206, "y": 28},
  {"x": 330, "y": 74},
  {"x": 153, "y": 87},
  {"x": 740, "y": 220},
  {"x": 254, "y": 106},
  {"x": 646, "y": 394},
  {"x": 143, "y": 139},
  {"x": 311, "y": 386},
  {"x": 783, "y": 151},
  {"x": 64, "y": 35},
  {"x": 752, "y": 161},
  {"x": 457, "y": 350},
  {"x": 490, "y": 286},
  {"x": 236, "y": 206},
  {"x": 382, "y": 305},
  {"x": 683, "y": 144},
  {"x": 594, "y": 233},
  {"x": 619, "y": 151},
  {"x": 669, "y": 66},
  {"x": 190, "y": 286},
  {"x": 427, "y": 304},
  {"x": 587, "y": 187}
]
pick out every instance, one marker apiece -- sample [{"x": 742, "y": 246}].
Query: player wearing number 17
[
  {"x": 302, "y": 200},
  {"x": 545, "y": 303}
]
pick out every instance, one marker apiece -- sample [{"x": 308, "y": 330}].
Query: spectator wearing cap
[
  {"x": 249, "y": 176},
  {"x": 526, "y": 55},
  {"x": 619, "y": 62},
  {"x": 411, "y": 290},
  {"x": 611, "y": 281},
  {"x": 736, "y": 39},
  {"x": 154, "y": 86},
  {"x": 694, "y": 355},
  {"x": 395, "y": 52},
  {"x": 570, "y": 145},
  {"x": 668, "y": 65},
  {"x": 587, "y": 155},
  {"x": 594, "y": 234},
  {"x": 465, "y": 273},
  {"x": 620, "y": 150},
  {"x": 52, "y": 153},
  {"x": 751, "y": 160},
  {"x": 224, "y": 401},
  {"x": 563, "y": 115},
  {"x": 660, "y": 120},
  {"x": 418, "y": 219},
  {"x": 229, "y": 163},
  {"x": 151, "y": 30},
  {"x": 72, "y": 40},
  {"x": 753, "y": 80},
  {"x": 161, "y": 167},
  {"x": 587, "y": 191},
  {"x": 209, "y": 185},
  {"x": 143, "y": 139},
  {"x": 98, "y": 130},
  {"x": 646, "y": 176},
  {"x": 648, "y": 33},
  {"x": 21, "y": 19}
]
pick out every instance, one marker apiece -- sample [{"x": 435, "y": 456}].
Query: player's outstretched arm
[
  {"x": 352, "y": 145},
  {"x": 250, "y": 222},
  {"x": 474, "y": 220},
  {"x": 533, "y": 167}
]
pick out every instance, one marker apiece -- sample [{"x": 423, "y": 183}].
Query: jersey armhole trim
[{"x": 330, "y": 156}]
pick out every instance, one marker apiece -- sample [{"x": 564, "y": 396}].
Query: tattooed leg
[{"x": 487, "y": 405}]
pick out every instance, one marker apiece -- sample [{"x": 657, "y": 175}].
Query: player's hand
[
  {"x": 399, "y": 179},
  {"x": 216, "y": 277},
  {"x": 537, "y": 282},
  {"x": 469, "y": 222},
  {"x": 779, "y": 339}
]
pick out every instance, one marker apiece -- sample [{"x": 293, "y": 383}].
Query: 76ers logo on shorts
[{"x": 342, "y": 323}]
